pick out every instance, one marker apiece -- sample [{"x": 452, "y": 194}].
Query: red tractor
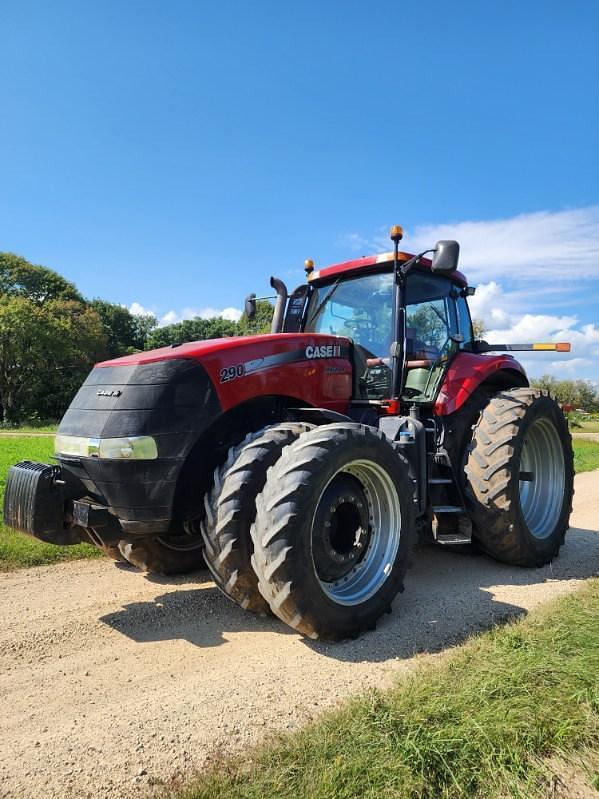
[{"x": 301, "y": 465}]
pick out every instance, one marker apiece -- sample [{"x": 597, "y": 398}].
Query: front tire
[
  {"x": 334, "y": 531},
  {"x": 520, "y": 474},
  {"x": 166, "y": 555},
  {"x": 230, "y": 509}
]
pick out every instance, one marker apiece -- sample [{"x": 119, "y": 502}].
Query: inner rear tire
[
  {"x": 334, "y": 531},
  {"x": 230, "y": 509},
  {"x": 520, "y": 474},
  {"x": 165, "y": 555}
]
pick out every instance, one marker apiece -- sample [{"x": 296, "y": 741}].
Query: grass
[
  {"x": 18, "y": 550},
  {"x": 482, "y": 722},
  {"x": 586, "y": 455},
  {"x": 588, "y": 426},
  {"x": 42, "y": 427}
]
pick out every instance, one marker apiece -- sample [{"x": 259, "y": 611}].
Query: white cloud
[
  {"x": 549, "y": 260},
  {"x": 487, "y": 304},
  {"x": 138, "y": 310},
  {"x": 172, "y": 317},
  {"x": 543, "y": 245},
  {"x": 507, "y": 325},
  {"x": 232, "y": 314}
]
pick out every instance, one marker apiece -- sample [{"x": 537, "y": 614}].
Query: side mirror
[
  {"x": 250, "y": 306},
  {"x": 445, "y": 259}
]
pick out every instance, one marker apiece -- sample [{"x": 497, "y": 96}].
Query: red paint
[
  {"x": 194, "y": 349},
  {"x": 383, "y": 260},
  {"x": 320, "y": 382},
  {"x": 466, "y": 372}
]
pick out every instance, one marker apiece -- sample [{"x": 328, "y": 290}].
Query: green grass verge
[
  {"x": 18, "y": 550},
  {"x": 479, "y": 723},
  {"x": 586, "y": 455}
]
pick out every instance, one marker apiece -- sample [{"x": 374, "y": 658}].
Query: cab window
[{"x": 359, "y": 308}]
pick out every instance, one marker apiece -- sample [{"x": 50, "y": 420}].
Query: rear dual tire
[
  {"x": 334, "y": 531},
  {"x": 230, "y": 510},
  {"x": 519, "y": 477}
]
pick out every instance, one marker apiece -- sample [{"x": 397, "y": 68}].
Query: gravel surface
[{"x": 112, "y": 682}]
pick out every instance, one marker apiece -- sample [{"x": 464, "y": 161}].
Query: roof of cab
[{"x": 368, "y": 261}]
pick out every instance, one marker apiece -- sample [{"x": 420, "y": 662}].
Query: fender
[{"x": 467, "y": 371}]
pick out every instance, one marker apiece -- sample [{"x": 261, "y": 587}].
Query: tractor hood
[
  {"x": 310, "y": 367},
  {"x": 175, "y": 391}
]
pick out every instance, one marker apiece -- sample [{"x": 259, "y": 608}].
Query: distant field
[
  {"x": 591, "y": 426},
  {"x": 17, "y": 550},
  {"x": 27, "y": 428}
]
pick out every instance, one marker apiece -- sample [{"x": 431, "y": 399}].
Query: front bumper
[
  {"x": 34, "y": 503},
  {"x": 43, "y": 501}
]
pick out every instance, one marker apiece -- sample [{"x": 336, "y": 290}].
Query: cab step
[
  {"x": 452, "y": 539},
  {"x": 448, "y": 509},
  {"x": 437, "y": 481}
]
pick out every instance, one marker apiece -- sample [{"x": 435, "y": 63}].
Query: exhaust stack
[{"x": 279, "y": 312}]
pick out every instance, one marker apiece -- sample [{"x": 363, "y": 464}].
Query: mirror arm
[{"x": 414, "y": 261}]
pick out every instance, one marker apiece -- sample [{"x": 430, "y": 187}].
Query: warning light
[
  {"x": 309, "y": 265},
  {"x": 396, "y": 233},
  {"x": 562, "y": 346}
]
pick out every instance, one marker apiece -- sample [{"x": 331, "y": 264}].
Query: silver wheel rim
[
  {"x": 367, "y": 576},
  {"x": 542, "y": 478}
]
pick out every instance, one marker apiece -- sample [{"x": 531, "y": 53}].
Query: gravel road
[{"x": 112, "y": 682}]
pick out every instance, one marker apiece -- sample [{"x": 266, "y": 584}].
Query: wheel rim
[
  {"x": 542, "y": 478},
  {"x": 355, "y": 532}
]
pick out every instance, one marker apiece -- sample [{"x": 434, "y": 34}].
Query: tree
[
  {"x": 45, "y": 351},
  {"x": 192, "y": 330},
  {"x": 479, "y": 328},
  {"x": 260, "y": 323},
  {"x": 26, "y": 341},
  {"x": 579, "y": 393},
  {"x": 49, "y": 339},
  {"x": 19, "y": 278},
  {"x": 216, "y": 327},
  {"x": 125, "y": 333}
]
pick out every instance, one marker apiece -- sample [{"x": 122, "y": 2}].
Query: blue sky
[{"x": 172, "y": 156}]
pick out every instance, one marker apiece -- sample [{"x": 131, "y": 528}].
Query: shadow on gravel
[
  {"x": 200, "y": 615},
  {"x": 448, "y": 597}
]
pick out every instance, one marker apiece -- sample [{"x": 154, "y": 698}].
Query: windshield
[{"x": 361, "y": 309}]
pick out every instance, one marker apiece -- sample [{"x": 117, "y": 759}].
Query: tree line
[{"x": 51, "y": 336}]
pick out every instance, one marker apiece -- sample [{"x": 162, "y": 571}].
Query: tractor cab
[
  {"x": 361, "y": 307},
  {"x": 406, "y": 316}
]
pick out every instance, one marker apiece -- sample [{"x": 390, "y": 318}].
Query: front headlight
[{"x": 130, "y": 448}]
